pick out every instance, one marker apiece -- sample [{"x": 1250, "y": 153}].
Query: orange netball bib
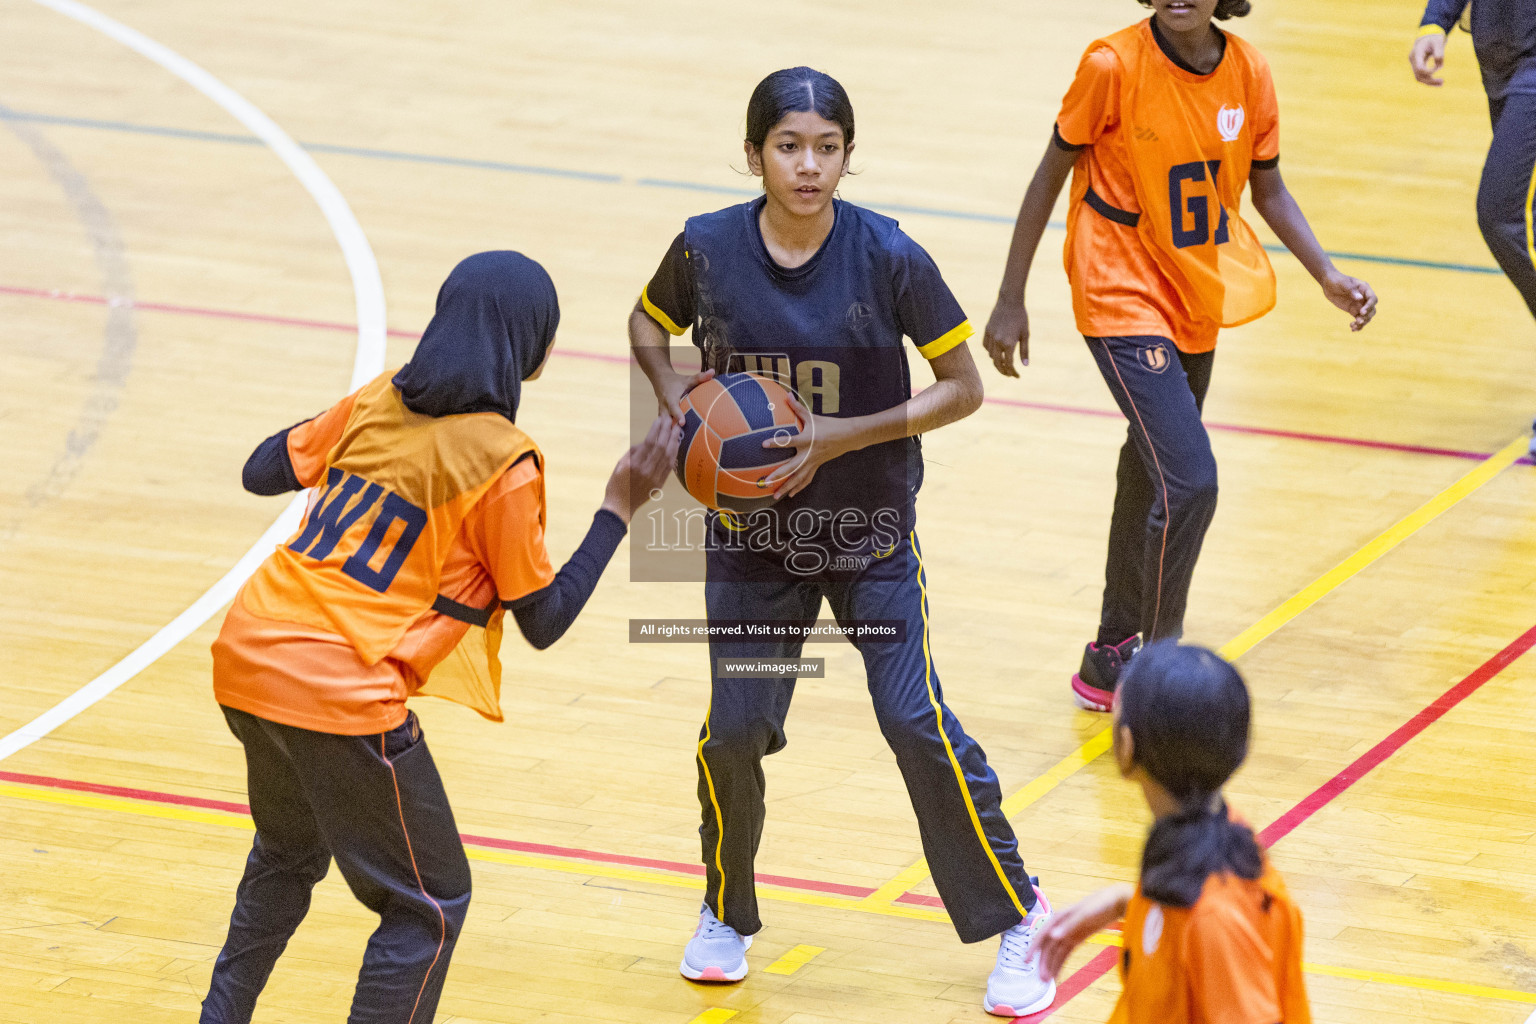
[
  {"x": 367, "y": 561},
  {"x": 1191, "y": 144}
]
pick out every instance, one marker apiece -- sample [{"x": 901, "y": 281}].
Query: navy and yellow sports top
[
  {"x": 1504, "y": 35},
  {"x": 831, "y": 328}
]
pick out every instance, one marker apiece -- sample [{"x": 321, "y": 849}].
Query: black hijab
[{"x": 496, "y": 315}]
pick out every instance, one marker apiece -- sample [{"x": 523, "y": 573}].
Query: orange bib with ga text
[{"x": 1191, "y": 151}]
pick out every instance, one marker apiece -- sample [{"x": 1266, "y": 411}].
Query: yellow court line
[
  {"x": 1252, "y": 636},
  {"x": 1429, "y": 984},
  {"x": 795, "y": 959},
  {"x": 1388, "y": 539},
  {"x": 620, "y": 873},
  {"x": 713, "y": 1015},
  {"x": 112, "y": 803}
]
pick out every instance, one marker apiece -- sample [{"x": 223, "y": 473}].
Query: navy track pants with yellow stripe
[
  {"x": 971, "y": 849},
  {"x": 1508, "y": 187}
]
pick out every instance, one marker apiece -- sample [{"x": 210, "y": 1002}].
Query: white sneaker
[
  {"x": 1015, "y": 988},
  {"x": 717, "y": 952}
]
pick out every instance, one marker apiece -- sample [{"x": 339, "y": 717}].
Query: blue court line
[
  {"x": 313, "y": 147},
  {"x": 619, "y": 179}
]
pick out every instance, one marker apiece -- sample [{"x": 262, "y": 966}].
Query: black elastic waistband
[
  {"x": 1113, "y": 213},
  {"x": 463, "y": 612}
]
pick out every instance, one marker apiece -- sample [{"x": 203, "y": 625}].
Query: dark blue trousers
[
  {"x": 1504, "y": 196},
  {"x": 377, "y": 805},
  {"x": 970, "y": 846},
  {"x": 1165, "y": 486}
]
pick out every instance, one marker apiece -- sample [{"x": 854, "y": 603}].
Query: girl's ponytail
[
  {"x": 1184, "y": 850},
  {"x": 1188, "y": 713}
]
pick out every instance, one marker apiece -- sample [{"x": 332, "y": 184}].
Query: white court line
[{"x": 368, "y": 362}]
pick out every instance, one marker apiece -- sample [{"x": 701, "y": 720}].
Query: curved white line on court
[{"x": 368, "y": 362}]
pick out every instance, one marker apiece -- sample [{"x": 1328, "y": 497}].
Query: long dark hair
[
  {"x": 1224, "y": 8},
  {"x": 792, "y": 91},
  {"x": 1189, "y": 713}
]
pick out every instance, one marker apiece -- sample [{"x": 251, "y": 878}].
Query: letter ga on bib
[{"x": 1191, "y": 151}]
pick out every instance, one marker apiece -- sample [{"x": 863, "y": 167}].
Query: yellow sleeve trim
[
  {"x": 938, "y": 346},
  {"x": 1429, "y": 30},
  {"x": 657, "y": 315}
]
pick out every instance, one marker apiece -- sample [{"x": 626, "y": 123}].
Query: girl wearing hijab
[
  {"x": 427, "y": 522},
  {"x": 1210, "y": 933}
]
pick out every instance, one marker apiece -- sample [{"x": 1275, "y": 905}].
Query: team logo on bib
[
  {"x": 1152, "y": 930},
  {"x": 1230, "y": 122},
  {"x": 1154, "y": 358}
]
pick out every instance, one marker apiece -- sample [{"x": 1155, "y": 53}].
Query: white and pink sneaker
[
  {"x": 717, "y": 952},
  {"x": 1015, "y": 987}
]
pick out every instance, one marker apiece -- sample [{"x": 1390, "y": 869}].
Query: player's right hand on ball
[
  {"x": 1007, "y": 327},
  {"x": 670, "y": 393},
  {"x": 643, "y": 469}
]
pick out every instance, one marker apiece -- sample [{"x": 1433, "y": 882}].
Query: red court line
[
  {"x": 1284, "y": 825},
  {"x": 919, "y": 900},
  {"x": 1238, "y": 428},
  {"x": 610, "y": 357},
  {"x": 488, "y": 842},
  {"x": 150, "y": 795},
  {"x": 1287, "y": 822},
  {"x": 260, "y": 318},
  {"x": 1068, "y": 989}
]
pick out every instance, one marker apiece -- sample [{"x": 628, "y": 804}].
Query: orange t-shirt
[
  {"x": 306, "y": 676},
  {"x": 1118, "y": 288},
  {"x": 1232, "y": 958}
]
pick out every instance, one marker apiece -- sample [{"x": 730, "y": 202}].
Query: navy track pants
[
  {"x": 1165, "y": 494},
  {"x": 376, "y": 804},
  {"x": 971, "y": 848},
  {"x": 1505, "y": 194}
]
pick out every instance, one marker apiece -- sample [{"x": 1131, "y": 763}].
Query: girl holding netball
[
  {"x": 1165, "y": 124},
  {"x": 1210, "y": 933},
  {"x": 820, "y": 293},
  {"x": 428, "y": 520}
]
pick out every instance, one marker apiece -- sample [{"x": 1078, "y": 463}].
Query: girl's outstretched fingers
[{"x": 1070, "y": 927}]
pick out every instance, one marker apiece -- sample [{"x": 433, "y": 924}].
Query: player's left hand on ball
[
  {"x": 819, "y": 441},
  {"x": 1353, "y": 296}
]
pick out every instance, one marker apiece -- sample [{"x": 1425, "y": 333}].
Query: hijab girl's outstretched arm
[{"x": 544, "y": 615}]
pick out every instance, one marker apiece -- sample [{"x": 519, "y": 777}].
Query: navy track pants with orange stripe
[
  {"x": 375, "y": 803},
  {"x": 971, "y": 848},
  {"x": 1504, "y": 197},
  {"x": 1165, "y": 494}
]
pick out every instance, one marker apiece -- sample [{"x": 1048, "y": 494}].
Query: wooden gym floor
[{"x": 171, "y": 294}]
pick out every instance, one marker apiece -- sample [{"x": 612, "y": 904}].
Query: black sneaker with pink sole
[{"x": 1093, "y": 687}]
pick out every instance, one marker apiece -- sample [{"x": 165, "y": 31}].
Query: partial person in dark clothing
[{"x": 1504, "y": 36}]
